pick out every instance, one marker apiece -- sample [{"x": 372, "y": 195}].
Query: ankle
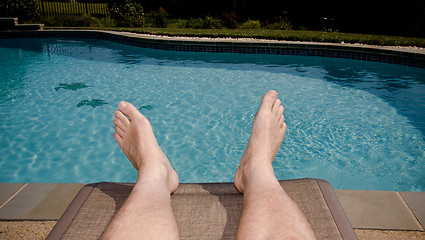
[
  {"x": 257, "y": 166},
  {"x": 152, "y": 173},
  {"x": 257, "y": 173},
  {"x": 158, "y": 176}
]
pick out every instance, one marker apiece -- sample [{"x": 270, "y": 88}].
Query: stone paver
[
  {"x": 377, "y": 210},
  {"x": 40, "y": 201},
  {"x": 7, "y": 190},
  {"x": 416, "y": 202}
]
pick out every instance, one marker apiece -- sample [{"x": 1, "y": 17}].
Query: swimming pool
[{"x": 357, "y": 124}]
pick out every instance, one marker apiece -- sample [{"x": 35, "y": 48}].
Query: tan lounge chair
[{"x": 203, "y": 211}]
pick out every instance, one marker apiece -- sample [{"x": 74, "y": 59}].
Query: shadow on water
[{"x": 400, "y": 86}]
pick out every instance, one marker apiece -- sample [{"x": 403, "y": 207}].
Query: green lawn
[{"x": 289, "y": 35}]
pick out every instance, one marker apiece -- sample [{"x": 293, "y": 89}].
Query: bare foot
[
  {"x": 137, "y": 140},
  {"x": 267, "y": 135}
]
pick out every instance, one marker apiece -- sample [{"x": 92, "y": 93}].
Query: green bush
[
  {"x": 199, "y": 23},
  {"x": 251, "y": 24},
  {"x": 211, "y": 23},
  {"x": 280, "y": 24},
  {"x": 107, "y": 22},
  {"x": 72, "y": 21},
  {"x": 128, "y": 14},
  {"x": 303, "y": 28},
  {"x": 159, "y": 18},
  {"x": 25, "y": 10},
  {"x": 190, "y": 23}
]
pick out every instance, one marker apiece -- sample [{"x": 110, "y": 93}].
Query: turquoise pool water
[{"x": 359, "y": 125}]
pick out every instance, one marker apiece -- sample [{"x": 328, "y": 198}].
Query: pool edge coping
[{"x": 387, "y": 54}]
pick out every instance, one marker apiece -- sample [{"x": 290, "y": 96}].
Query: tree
[
  {"x": 23, "y": 9},
  {"x": 128, "y": 14}
]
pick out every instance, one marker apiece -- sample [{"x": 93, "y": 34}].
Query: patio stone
[
  {"x": 7, "y": 190},
  {"x": 377, "y": 210},
  {"x": 40, "y": 201},
  {"x": 416, "y": 202}
]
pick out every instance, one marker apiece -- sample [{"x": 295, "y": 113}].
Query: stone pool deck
[{"x": 30, "y": 210}]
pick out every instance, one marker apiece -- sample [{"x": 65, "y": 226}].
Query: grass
[{"x": 288, "y": 35}]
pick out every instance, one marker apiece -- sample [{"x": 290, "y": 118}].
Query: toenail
[
  {"x": 123, "y": 104},
  {"x": 273, "y": 93}
]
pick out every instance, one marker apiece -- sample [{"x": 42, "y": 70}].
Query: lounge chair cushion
[{"x": 203, "y": 211}]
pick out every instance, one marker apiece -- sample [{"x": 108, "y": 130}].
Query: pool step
[{"x": 12, "y": 24}]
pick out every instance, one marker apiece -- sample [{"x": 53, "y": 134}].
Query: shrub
[
  {"x": 189, "y": 23},
  {"x": 280, "y": 24},
  {"x": 303, "y": 28},
  {"x": 251, "y": 24},
  {"x": 25, "y": 10},
  {"x": 159, "y": 18},
  {"x": 199, "y": 23},
  {"x": 211, "y": 23},
  {"x": 128, "y": 14},
  {"x": 72, "y": 21},
  {"x": 107, "y": 22}
]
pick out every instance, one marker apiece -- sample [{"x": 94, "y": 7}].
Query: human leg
[
  {"x": 268, "y": 211},
  {"x": 147, "y": 213}
]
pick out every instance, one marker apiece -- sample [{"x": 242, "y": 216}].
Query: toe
[
  {"x": 119, "y": 131},
  {"x": 118, "y": 138},
  {"x": 123, "y": 119},
  {"x": 280, "y": 110},
  {"x": 283, "y": 127},
  {"x": 268, "y": 100},
  {"x": 119, "y": 123},
  {"x": 128, "y": 109},
  {"x": 276, "y": 106}
]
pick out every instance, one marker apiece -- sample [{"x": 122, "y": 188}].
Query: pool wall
[{"x": 394, "y": 55}]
